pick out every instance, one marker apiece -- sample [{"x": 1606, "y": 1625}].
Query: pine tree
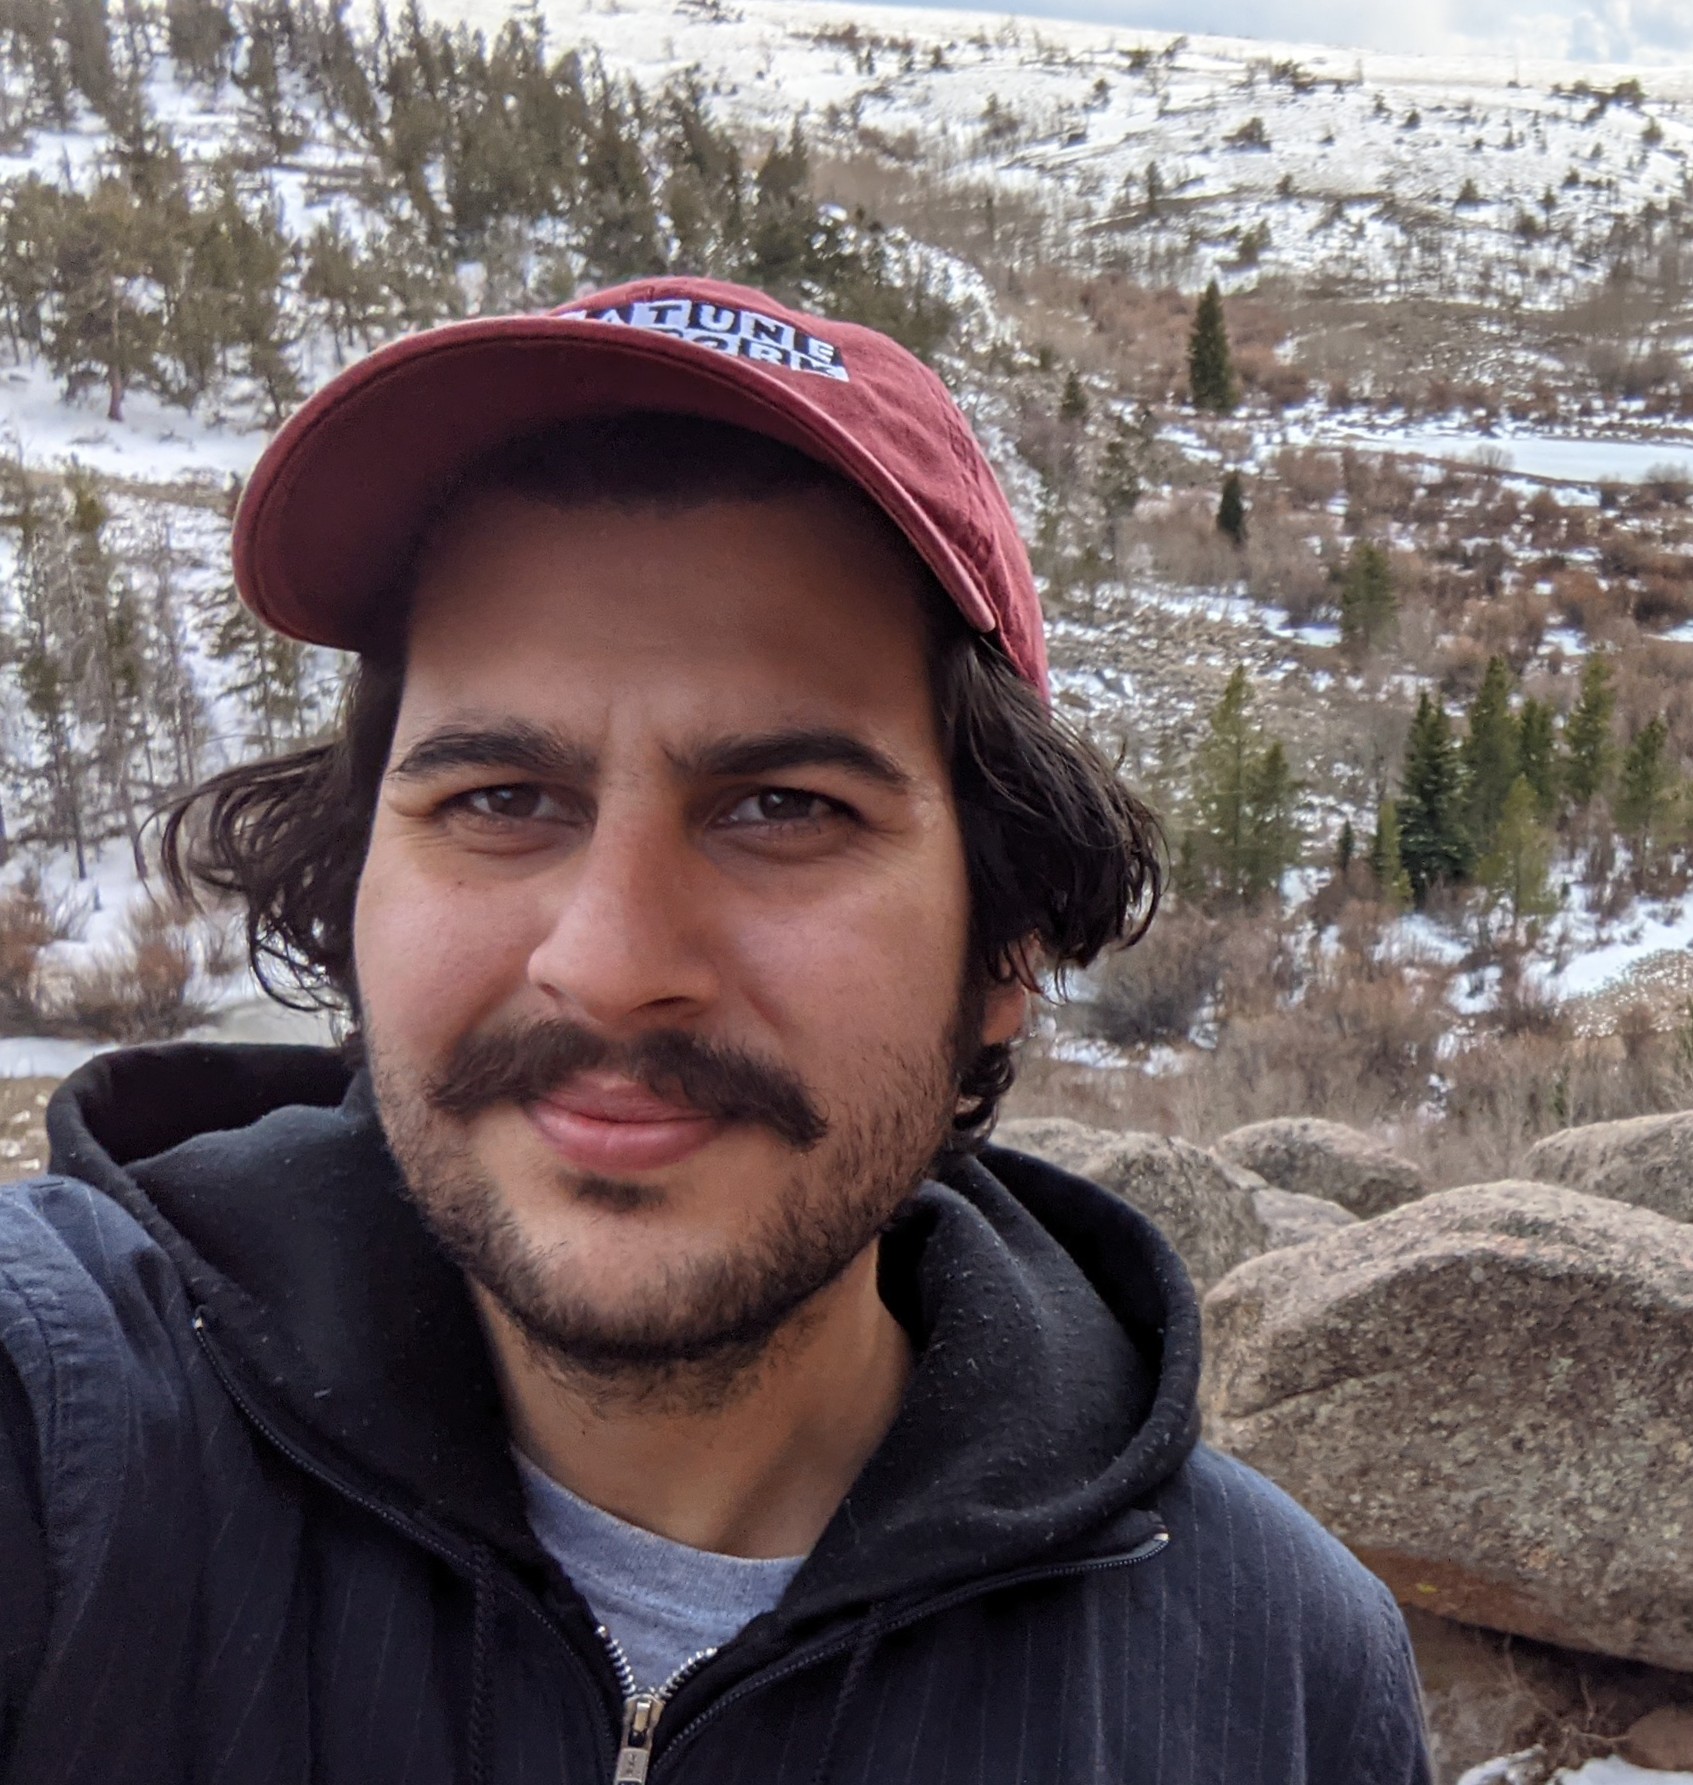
[
  {"x": 1432, "y": 843},
  {"x": 1272, "y": 824},
  {"x": 1588, "y": 749},
  {"x": 107, "y": 325},
  {"x": 1514, "y": 871},
  {"x": 200, "y": 34},
  {"x": 1245, "y": 834},
  {"x": 1645, "y": 789},
  {"x": 1368, "y": 603},
  {"x": 1537, "y": 755},
  {"x": 47, "y": 648},
  {"x": 1231, "y": 509},
  {"x": 1386, "y": 862},
  {"x": 1489, "y": 756},
  {"x": 1073, "y": 404},
  {"x": 1120, "y": 481},
  {"x": 784, "y": 218},
  {"x": 1345, "y": 849},
  {"x": 1211, "y": 378}
]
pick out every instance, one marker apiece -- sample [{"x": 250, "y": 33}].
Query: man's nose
[{"x": 627, "y": 925}]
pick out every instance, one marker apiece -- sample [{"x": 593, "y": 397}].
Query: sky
[{"x": 1649, "y": 31}]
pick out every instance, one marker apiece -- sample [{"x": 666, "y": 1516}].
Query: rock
[
  {"x": 1325, "y": 1159},
  {"x": 1663, "y": 1739},
  {"x": 1291, "y": 1219},
  {"x": 1489, "y": 1396},
  {"x": 1647, "y": 1161},
  {"x": 1488, "y": 1694},
  {"x": 1202, "y": 1206}
]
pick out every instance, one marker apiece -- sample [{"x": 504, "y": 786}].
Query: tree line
[
  {"x": 461, "y": 173},
  {"x": 1484, "y": 810}
]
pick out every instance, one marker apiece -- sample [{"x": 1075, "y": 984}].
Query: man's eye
[
  {"x": 517, "y": 804},
  {"x": 781, "y": 805}
]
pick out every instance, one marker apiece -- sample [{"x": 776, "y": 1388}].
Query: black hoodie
[{"x": 259, "y": 1521}]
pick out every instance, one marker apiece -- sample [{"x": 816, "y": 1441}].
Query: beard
[{"x": 700, "y": 1324}]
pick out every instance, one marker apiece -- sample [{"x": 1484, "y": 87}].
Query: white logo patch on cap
[{"x": 743, "y": 333}]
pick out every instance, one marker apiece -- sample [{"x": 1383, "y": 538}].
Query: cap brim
[{"x": 330, "y": 519}]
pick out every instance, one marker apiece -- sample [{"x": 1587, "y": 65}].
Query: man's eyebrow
[
  {"x": 512, "y": 745},
  {"x": 770, "y": 752}
]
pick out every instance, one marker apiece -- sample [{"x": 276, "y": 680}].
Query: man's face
[{"x": 661, "y": 936}]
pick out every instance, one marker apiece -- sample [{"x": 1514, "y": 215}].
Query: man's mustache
[{"x": 523, "y": 1065}]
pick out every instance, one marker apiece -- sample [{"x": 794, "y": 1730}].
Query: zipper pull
[{"x": 640, "y": 1718}]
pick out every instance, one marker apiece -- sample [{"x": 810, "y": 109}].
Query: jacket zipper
[
  {"x": 641, "y": 1709},
  {"x": 1143, "y": 1551},
  {"x": 396, "y": 1521}
]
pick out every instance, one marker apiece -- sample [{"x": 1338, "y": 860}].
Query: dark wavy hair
[{"x": 1063, "y": 860}]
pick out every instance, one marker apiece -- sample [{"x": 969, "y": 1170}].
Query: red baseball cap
[{"x": 336, "y": 503}]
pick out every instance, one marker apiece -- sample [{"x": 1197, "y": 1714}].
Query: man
[{"x": 629, "y": 1360}]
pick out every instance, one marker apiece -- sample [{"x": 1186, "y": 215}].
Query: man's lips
[{"x": 604, "y": 1124}]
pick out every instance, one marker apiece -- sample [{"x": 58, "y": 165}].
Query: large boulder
[
  {"x": 1488, "y": 1395},
  {"x": 1647, "y": 1161},
  {"x": 1325, "y": 1159},
  {"x": 1294, "y": 1220},
  {"x": 1202, "y": 1206}
]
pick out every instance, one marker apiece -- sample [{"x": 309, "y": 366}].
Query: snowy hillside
[{"x": 1400, "y": 173}]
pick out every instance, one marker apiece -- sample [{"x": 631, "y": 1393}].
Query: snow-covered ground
[
  {"x": 1511, "y": 1769},
  {"x": 1369, "y": 163}
]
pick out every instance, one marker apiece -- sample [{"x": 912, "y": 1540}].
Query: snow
[
  {"x": 1558, "y": 458},
  {"x": 1511, "y": 1769},
  {"x": 32, "y": 1056},
  {"x": 154, "y": 443},
  {"x": 1619, "y": 1772},
  {"x": 1596, "y": 963}
]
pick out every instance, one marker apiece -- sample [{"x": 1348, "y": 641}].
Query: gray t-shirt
[{"x": 663, "y": 1601}]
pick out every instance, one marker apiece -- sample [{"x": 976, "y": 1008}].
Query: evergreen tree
[
  {"x": 267, "y": 674},
  {"x": 1432, "y": 843},
  {"x": 106, "y": 326},
  {"x": 1514, "y": 870},
  {"x": 782, "y": 251},
  {"x": 47, "y": 647},
  {"x": 1345, "y": 849},
  {"x": 1120, "y": 481},
  {"x": 1272, "y": 824},
  {"x": 340, "y": 281},
  {"x": 1386, "y": 862},
  {"x": 1210, "y": 366},
  {"x": 1231, "y": 509},
  {"x": 1368, "y": 603},
  {"x": 1645, "y": 789},
  {"x": 1537, "y": 755},
  {"x": 1245, "y": 835},
  {"x": 200, "y": 35},
  {"x": 1588, "y": 749},
  {"x": 1073, "y": 404},
  {"x": 1489, "y": 756},
  {"x": 621, "y": 235}
]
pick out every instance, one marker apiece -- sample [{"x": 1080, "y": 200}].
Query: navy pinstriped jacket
[{"x": 259, "y": 1524}]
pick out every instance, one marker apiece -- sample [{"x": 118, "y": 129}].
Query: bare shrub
[
  {"x": 1584, "y": 602},
  {"x": 1663, "y": 600},
  {"x": 1310, "y": 476},
  {"x": 1285, "y": 561},
  {"x": 1181, "y": 539},
  {"x": 27, "y": 926},
  {"x": 140, "y": 993},
  {"x": 1159, "y": 989},
  {"x": 1509, "y": 626}
]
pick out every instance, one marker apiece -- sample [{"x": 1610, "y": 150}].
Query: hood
[{"x": 1057, "y": 1334}]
